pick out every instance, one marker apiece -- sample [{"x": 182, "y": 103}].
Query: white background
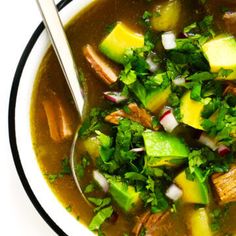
[{"x": 18, "y": 18}]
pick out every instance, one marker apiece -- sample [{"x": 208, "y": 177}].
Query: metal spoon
[{"x": 63, "y": 51}]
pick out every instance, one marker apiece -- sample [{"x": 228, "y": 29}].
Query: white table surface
[{"x": 18, "y": 18}]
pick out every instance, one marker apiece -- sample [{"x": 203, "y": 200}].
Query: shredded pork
[
  {"x": 99, "y": 64},
  {"x": 225, "y": 186},
  {"x": 231, "y": 88},
  {"x": 58, "y": 120},
  {"x": 154, "y": 224},
  {"x": 140, "y": 222},
  {"x": 230, "y": 21},
  {"x": 135, "y": 113}
]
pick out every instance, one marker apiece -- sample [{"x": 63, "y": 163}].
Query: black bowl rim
[{"x": 11, "y": 124}]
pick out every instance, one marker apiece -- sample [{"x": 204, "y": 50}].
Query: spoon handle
[{"x": 62, "y": 48}]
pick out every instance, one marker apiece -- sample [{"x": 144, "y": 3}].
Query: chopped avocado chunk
[
  {"x": 163, "y": 161},
  {"x": 191, "y": 111},
  {"x": 92, "y": 145},
  {"x": 152, "y": 99},
  {"x": 161, "y": 144},
  {"x": 139, "y": 90},
  {"x": 157, "y": 98},
  {"x": 199, "y": 223},
  {"x": 124, "y": 195},
  {"x": 193, "y": 191},
  {"x": 221, "y": 54},
  {"x": 119, "y": 40},
  {"x": 166, "y": 16}
]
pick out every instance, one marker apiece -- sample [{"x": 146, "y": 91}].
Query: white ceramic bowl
[{"x": 28, "y": 169}]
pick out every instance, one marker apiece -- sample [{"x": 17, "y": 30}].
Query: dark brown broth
[{"x": 89, "y": 27}]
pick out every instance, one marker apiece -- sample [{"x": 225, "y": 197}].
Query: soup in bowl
[{"x": 155, "y": 152}]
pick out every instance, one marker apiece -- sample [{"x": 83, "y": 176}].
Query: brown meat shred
[
  {"x": 108, "y": 74},
  {"x": 136, "y": 113},
  {"x": 225, "y": 185},
  {"x": 140, "y": 222},
  {"x": 154, "y": 224},
  {"x": 230, "y": 22},
  {"x": 231, "y": 88},
  {"x": 58, "y": 120}
]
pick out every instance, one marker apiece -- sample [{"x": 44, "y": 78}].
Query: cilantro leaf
[
  {"x": 99, "y": 202},
  {"x": 146, "y": 19},
  {"x": 210, "y": 108},
  {"x": 105, "y": 149},
  {"x": 196, "y": 92},
  {"x": 91, "y": 123},
  {"x": 224, "y": 73},
  {"x": 128, "y": 76},
  {"x": 100, "y": 217},
  {"x": 135, "y": 176},
  {"x": 65, "y": 170},
  {"x": 89, "y": 188},
  {"x": 80, "y": 167},
  {"x": 123, "y": 142},
  {"x": 201, "y": 76},
  {"x": 196, "y": 159}
]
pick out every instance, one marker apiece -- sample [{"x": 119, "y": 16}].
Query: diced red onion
[
  {"x": 168, "y": 40},
  {"x": 208, "y": 141},
  {"x": 168, "y": 121},
  {"x": 101, "y": 180},
  {"x": 179, "y": 81},
  {"x": 140, "y": 149},
  {"x": 165, "y": 112},
  {"x": 223, "y": 150},
  {"x": 115, "y": 97},
  {"x": 153, "y": 67},
  {"x": 174, "y": 192}
]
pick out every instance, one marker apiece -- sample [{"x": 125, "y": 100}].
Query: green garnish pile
[{"x": 118, "y": 163}]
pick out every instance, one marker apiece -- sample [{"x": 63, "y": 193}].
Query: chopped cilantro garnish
[
  {"x": 91, "y": 123},
  {"x": 69, "y": 208},
  {"x": 217, "y": 216},
  {"x": 99, "y": 202},
  {"x": 223, "y": 126},
  {"x": 146, "y": 19},
  {"x": 138, "y": 80},
  {"x": 210, "y": 108},
  {"x": 135, "y": 176},
  {"x": 89, "y": 188},
  {"x": 105, "y": 150},
  {"x": 223, "y": 73},
  {"x": 196, "y": 92},
  {"x": 100, "y": 217},
  {"x": 80, "y": 167},
  {"x": 128, "y": 76},
  {"x": 52, "y": 178},
  {"x": 123, "y": 142},
  {"x": 65, "y": 170},
  {"x": 205, "y": 162}
]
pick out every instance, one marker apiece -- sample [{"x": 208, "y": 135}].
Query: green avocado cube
[
  {"x": 221, "y": 54},
  {"x": 199, "y": 222},
  {"x": 157, "y": 99},
  {"x": 161, "y": 144},
  {"x": 194, "y": 191},
  {"x": 124, "y": 195},
  {"x": 119, "y": 40}
]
